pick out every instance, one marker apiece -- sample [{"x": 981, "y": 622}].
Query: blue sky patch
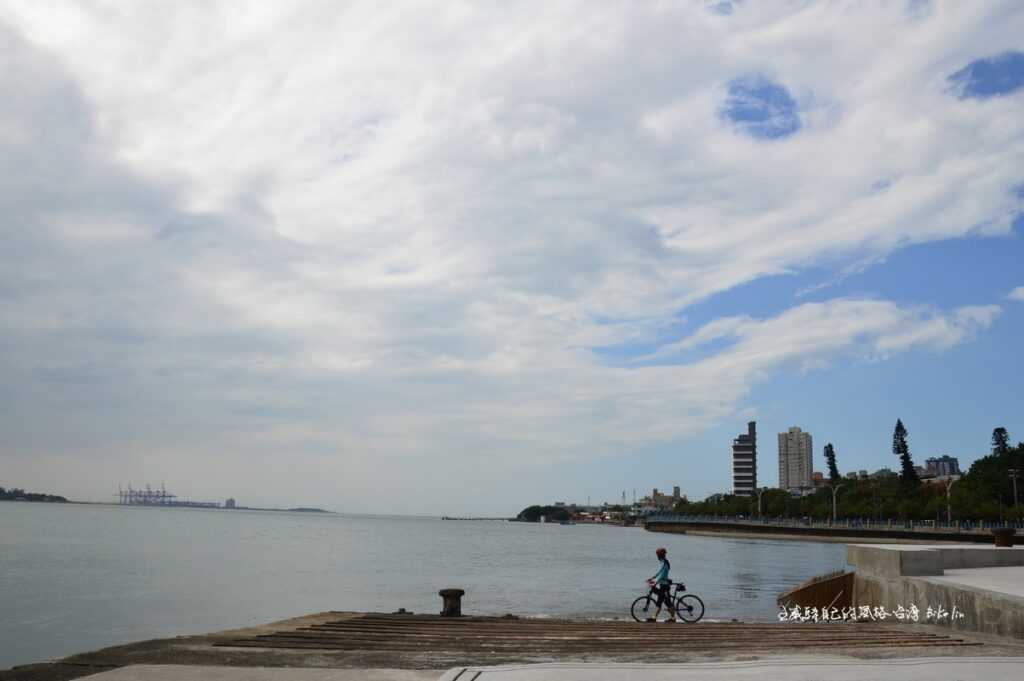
[
  {"x": 991, "y": 76},
  {"x": 761, "y": 108}
]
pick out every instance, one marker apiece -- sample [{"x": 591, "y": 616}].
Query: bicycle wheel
[
  {"x": 689, "y": 608},
  {"x": 642, "y": 608}
]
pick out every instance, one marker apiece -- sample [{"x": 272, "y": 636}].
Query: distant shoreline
[{"x": 299, "y": 509}]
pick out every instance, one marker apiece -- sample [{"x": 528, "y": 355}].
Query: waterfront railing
[{"x": 980, "y": 526}]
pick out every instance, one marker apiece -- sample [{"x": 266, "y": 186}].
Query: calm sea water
[{"x": 75, "y": 578}]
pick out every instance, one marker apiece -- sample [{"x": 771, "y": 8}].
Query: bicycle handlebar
[{"x": 678, "y": 585}]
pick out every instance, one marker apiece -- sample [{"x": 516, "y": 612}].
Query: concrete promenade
[
  {"x": 841, "y": 532},
  {"x": 1008, "y": 581},
  {"x": 331, "y": 646},
  {"x": 791, "y": 669},
  {"x": 817, "y": 668},
  {"x": 176, "y": 672}
]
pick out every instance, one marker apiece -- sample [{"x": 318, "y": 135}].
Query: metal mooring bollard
[
  {"x": 452, "y": 602},
  {"x": 1004, "y": 536}
]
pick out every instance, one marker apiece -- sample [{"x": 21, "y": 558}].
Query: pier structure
[{"x": 148, "y": 496}]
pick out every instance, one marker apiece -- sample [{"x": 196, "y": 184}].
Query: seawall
[
  {"x": 979, "y": 588},
  {"x": 815, "y": 533}
]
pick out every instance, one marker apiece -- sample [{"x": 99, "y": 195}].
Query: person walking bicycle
[
  {"x": 664, "y": 592},
  {"x": 663, "y": 584}
]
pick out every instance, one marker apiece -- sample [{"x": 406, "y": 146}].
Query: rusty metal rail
[{"x": 423, "y": 633}]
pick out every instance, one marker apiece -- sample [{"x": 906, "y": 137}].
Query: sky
[{"x": 463, "y": 257}]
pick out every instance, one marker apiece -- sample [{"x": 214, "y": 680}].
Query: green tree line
[
  {"x": 555, "y": 514},
  {"x": 985, "y": 492},
  {"x": 18, "y": 494}
]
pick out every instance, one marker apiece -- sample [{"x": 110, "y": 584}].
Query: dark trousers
[{"x": 665, "y": 596}]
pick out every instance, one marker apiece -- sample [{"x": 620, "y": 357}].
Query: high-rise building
[
  {"x": 943, "y": 465},
  {"x": 744, "y": 462},
  {"x": 795, "y": 459}
]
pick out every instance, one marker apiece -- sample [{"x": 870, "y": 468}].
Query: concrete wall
[
  {"x": 900, "y": 575},
  {"x": 961, "y": 557},
  {"x": 984, "y": 611},
  {"x": 883, "y": 561},
  {"x": 828, "y": 592},
  {"x": 895, "y": 560}
]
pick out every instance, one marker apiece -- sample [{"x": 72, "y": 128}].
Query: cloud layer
[{"x": 361, "y": 243}]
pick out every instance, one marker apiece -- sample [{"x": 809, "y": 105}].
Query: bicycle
[{"x": 689, "y": 607}]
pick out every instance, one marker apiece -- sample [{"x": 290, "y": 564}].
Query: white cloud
[
  {"x": 352, "y": 232},
  {"x": 1016, "y": 294}
]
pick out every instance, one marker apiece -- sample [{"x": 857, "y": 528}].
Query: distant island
[
  {"x": 17, "y": 494},
  {"x": 571, "y": 514},
  {"x": 231, "y": 506},
  {"x": 533, "y": 514}
]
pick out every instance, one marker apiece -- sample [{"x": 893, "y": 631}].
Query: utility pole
[
  {"x": 949, "y": 508},
  {"x": 759, "y": 493},
  {"x": 835, "y": 491},
  {"x": 1014, "y": 472}
]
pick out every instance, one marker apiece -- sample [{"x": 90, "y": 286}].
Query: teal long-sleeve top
[{"x": 662, "y": 576}]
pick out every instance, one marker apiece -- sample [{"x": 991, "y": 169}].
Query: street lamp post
[
  {"x": 1014, "y": 472},
  {"x": 835, "y": 491},
  {"x": 949, "y": 507},
  {"x": 759, "y": 493}
]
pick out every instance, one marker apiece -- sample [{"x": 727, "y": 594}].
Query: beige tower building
[{"x": 795, "y": 459}]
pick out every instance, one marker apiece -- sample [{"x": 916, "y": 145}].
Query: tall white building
[{"x": 796, "y": 465}]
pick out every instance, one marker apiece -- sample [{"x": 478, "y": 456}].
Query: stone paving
[
  {"x": 791, "y": 669},
  {"x": 339, "y": 646},
  {"x": 467, "y": 635}
]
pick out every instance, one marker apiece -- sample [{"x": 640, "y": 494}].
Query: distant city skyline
[{"x": 459, "y": 258}]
